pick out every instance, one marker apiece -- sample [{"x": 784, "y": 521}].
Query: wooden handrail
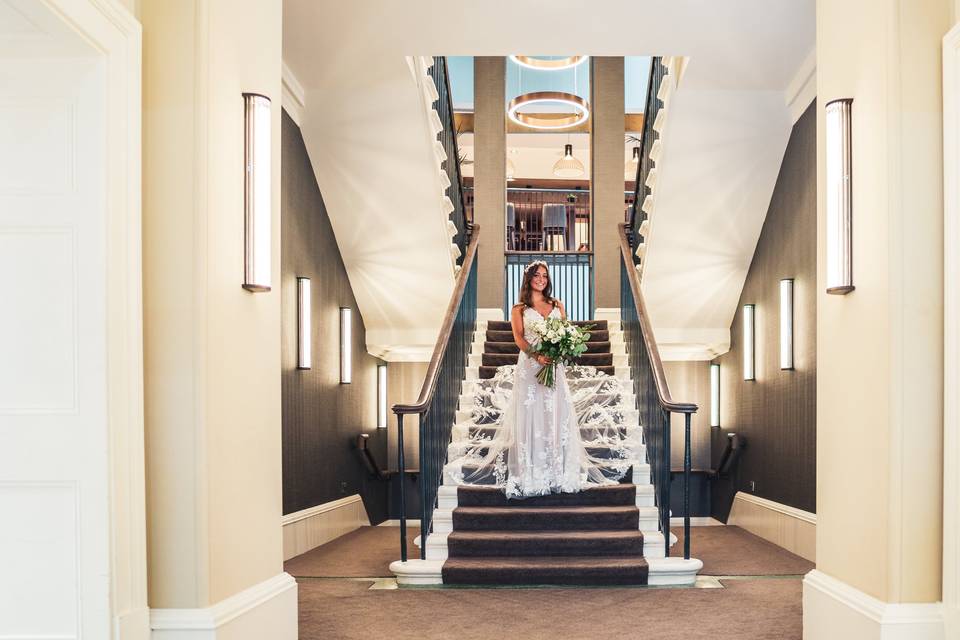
[
  {"x": 646, "y": 329},
  {"x": 433, "y": 371}
]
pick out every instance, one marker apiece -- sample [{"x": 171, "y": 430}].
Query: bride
[{"x": 534, "y": 440}]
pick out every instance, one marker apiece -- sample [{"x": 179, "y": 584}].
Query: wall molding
[
  {"x": 951, "y": 331},
  {"x": 802, "y": 89},
  {"x": 309, "y": 528},
  {"x": 255, "y": 608},
  {"x": 793, "y": 529},
  {"x": 834, "y": 609},
  {"x": 293, "y": 97}
]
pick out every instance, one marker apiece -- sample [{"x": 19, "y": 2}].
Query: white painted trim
[
  {"x": 680, "y": 345},
  {"x": 951, "y": 331},
  {"x": 303, "y": 514},
  {"x": 802, "y": 89},
  {"x": 834, "y": 609},
  {"x": 786, "y": 510},
  {"x": 292, "y": 96},
  {"x": 309, "y": 528},
  {"x": 208, "y": 623},
  {"x": 115, "y": 33},
  {"x": 793, "y": 529}
]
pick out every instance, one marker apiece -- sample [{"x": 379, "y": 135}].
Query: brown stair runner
[
  {"x": 586, "y": 538},
  {"x": 499, "y": 348}
]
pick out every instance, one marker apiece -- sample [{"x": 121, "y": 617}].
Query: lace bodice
[{"x": 532, "y": 315}]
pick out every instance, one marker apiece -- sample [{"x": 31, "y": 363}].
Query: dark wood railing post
[
  {"x": 686, "y": 486},
  {"x": 402, "y": 477}
]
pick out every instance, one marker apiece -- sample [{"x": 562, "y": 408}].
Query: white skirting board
[
  {"x": 833, "y": 609},
  {"x": 793, "y": 529},
  {"x": 265, "y": 610},
  {"x": 307, "y": 529}
]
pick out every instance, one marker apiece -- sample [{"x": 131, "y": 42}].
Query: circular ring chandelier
[
  {"x": 548, "y": 64},
  {"x": 548, "y": 120}
]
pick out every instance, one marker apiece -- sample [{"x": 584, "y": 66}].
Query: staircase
[
  {"x": 500, "y": 349},
  {"x": 608, "y": 535}
]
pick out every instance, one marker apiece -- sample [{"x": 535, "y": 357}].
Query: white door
[{"x": 54, "y": 514}]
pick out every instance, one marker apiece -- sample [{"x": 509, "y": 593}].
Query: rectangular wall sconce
[
  {"x": 714, "y": 395},
  {"x": 786, "y": 323},
  {"x": 839, "y": 197},
  {"x": 257, "y": 201},
  {"x": 382, "y": 396},
  {"x": 303, "y": 323},
  {"x": 346, "y": 345},
  {"x": 748, "y": 333}
]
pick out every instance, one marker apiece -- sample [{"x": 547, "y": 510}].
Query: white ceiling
[{"x": 718, "y": 171}]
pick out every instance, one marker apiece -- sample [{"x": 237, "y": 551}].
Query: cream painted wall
[
  {"x": 404, "y": 380},
  {"x": 212, "y": 359},
  {"x": 879, "y": 351}
]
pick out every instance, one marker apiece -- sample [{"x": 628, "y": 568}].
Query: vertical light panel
[
  {"x": 257, "y": 202},
  {"x": 839, "y": 146},
  {"x": 346, "y": 345},
  {"x": 382, "y": 396},
  {"x": 748, "y": 351},
  {"x": 786, "y": 323},
  {"x": 714, "y": 395},
  {"x": 303, "y": 324}
]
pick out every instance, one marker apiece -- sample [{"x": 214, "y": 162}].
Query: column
[
  {"x": 880, "y": 347},
  {"x": 490, "y": 176},
  {"x": 212, "y": 349},
  {"x": 606, "y": 160}
]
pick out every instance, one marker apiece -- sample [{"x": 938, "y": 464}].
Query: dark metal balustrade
[
  {"x": 653, "y": 105},
  {"x": 570, "y": 273},
  {"x": 653, "y": 395},
  {"x": 448, "y": 137},
  {"x": 440, "y": 394}
]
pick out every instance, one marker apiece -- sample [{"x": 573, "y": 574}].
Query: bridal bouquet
[{"x": 561, "y": 341}]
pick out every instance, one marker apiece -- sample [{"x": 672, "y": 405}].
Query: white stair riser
[
  {"x": 467, "y": 400},
  {"x": 458, "y": 448}
]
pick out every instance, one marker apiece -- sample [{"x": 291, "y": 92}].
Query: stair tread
[
  {"x": 560, "y": 562},
  {"x": 617, "y": 494},
  {"x": 557, "y": 509},
  {"x": 548, "y": 534}
]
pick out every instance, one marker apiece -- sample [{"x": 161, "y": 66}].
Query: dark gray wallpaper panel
[
  {"x": 321, "y": 417},
  {"x": 777, "y": 411}
]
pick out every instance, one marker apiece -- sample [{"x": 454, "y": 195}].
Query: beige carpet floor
[
  {"x": 754, "y": 609},
  {"x": 732, "y": 551},
  {"x": 364, "y": 553},
  {"x": 368, "y": 552}
]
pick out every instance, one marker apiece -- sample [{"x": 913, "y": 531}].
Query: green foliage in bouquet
[{"x": 562, "y": 342}]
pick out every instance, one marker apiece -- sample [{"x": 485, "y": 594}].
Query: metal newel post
[{"x": 402, "y": 475}]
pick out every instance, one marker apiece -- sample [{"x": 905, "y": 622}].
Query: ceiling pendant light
[
  {"x": 547, "y": 119},
  {"x": 549, "y": 64},
  {"x": 630, "y": 166},
  {"x": 568, "y": 166}
]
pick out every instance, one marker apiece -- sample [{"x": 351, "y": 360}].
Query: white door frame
[
  {"x": 951, "y": 331},
  {"x": 110, "y": 28}
]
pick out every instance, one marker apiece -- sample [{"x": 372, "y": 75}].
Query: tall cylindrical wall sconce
[
  {"x": 382, "y": 396},
  {"x": 714, "y": 395},
  {"x": 346, "y": 345},
  {"x": 303, "y": 324},
  {"x": 257, "y": 201},
  {"x": 839, "y": 197},
  {"x": 786, "y": 323},
  {"x": 748, "y": 351}
]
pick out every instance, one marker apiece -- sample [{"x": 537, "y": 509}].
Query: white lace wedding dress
[{"x": 534, "y": 440}]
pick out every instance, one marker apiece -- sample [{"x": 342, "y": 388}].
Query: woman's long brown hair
[{"x": 526, "y": 290}]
